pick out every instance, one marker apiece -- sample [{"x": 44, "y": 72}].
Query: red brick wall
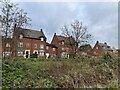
[
  {"x": 57, "y": 43},
  {"x": 31, "y": 48},
  {"x": 99, "y": 51},
  {"x": 50, "y": 51},
  {"x": 59, "y": 51}
]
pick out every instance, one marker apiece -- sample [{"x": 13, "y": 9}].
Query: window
[
  {"x": 67, "y": 49},
  {"x": 42, "y": 39},
  {"x": 41, "y": 46},
  {"x": 7, "y": 45},
  {"x": 53, "y": 49},
  {"x": 6, "y": 53},
  {"x": 96, "y": 47},
  {"x": 62, "y": 42},
  {"x": 41, "y": 52},
  {"x": 35, "y": 45},
  {"x": 35, "y": 52},
  {"x": 20, "y": 53},
  {"x": 21, "y": 36},
  {"x": 27, "y": 45},
  {"x": 47, "y": 47},
  {"x": 20, "y": 44},
  {"x": 62, "y": 49}
]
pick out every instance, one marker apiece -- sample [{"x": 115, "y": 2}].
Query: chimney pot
[
  {"x": 41, "y": 30},
  {"x": 105, "y": 43}
]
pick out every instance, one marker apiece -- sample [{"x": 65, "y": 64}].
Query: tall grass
[{"x": 83, "y": 72}]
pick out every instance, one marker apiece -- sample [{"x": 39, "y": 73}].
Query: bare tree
[
  {"x": 79, "y": 33},
  {"x": 11, "y": 15}
]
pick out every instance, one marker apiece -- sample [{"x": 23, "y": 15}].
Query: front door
[{"x": 27, "y": 53}]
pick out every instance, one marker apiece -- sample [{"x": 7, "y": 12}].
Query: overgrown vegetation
[{"x": 85, "y": 72}]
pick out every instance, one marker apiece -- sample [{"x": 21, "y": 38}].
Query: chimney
[
  {"x": 105, "y": 43},
  {"x": 97, "y": 41},
  {"x": 54, "y": 33},
  {"x": 41, "y": 30}
]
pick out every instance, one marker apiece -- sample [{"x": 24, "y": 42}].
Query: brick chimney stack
[
  {"x": 41, "y": 30},
  {"x": 97, "y": 41},
  {"x": 105, "y": 43}
]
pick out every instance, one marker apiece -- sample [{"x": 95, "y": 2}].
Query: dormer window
[
  {"x": 42, "y": 39},
  {"x": 63, "y": 42},
  {"x": 21, "y": 36},
  {"x": 7, "y": 45}
]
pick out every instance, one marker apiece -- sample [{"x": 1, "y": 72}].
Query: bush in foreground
[{"x": 61, "y": 73}]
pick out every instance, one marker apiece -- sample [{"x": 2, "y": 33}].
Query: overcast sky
[{"x": 100, "y": 18}]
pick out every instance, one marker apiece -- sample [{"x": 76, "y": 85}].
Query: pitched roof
[
  {"x": 85, "y": 47},
  {"x": 51, "y": 45},
  {"x": 67, "y": 40},
  {"x": 105, "y": 46},
  {"x": 29, "y": 33}
]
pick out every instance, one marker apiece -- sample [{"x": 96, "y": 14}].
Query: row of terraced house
[{"x": 27, "y": 42}]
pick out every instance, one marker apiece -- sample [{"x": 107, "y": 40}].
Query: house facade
[
  {"x": 27, "y": 42},
  {"x": 101, "y": 48},
  {"x": 86, "y": 49},
  {"x": 51, "y": 51},
  {"x": 6, "y": 46},
  {"x": 63, "y": 45}
]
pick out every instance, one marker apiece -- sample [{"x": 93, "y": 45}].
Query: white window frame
[
  {"x": 42, "y": 39},
  {"x": 63, "y": 42},
  {"x": 53, "y": 49},
  {"x": 20, "y": 53},
  {"x": 21, "y": 36},
  {"x": 27, "y": 45},
  {"x": 41, "y": 46},
  {"x": 35, "y": 45},
  {"x": 41, "y": 52},
  {"x": 7, "y": 44},
  {"x": 63, "y": 48},
  {"x": 35, "y": 51},
  {"x": 6, "y": 53},
  {"x": 47, "y": 47},
  {"x": 20, "y": 44}
]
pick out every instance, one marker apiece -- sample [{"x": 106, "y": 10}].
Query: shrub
[
  {"x": 33, "y": 55},
  {"x": 113, "y": 85},
  {"x": 107, "y": 56}
]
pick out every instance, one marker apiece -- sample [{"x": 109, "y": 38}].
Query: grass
[{"x": 84, "y": 72}]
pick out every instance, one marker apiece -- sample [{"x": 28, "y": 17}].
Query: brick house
[
  {"x": 63, "y": 45},
  {"x": 27, "y": 42},
  {"x": 6, "y": 46},
  {"x": 51, "y": 51},
  {"x": 85, "y": 49},
  {"x": 100, "y": 48}
]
